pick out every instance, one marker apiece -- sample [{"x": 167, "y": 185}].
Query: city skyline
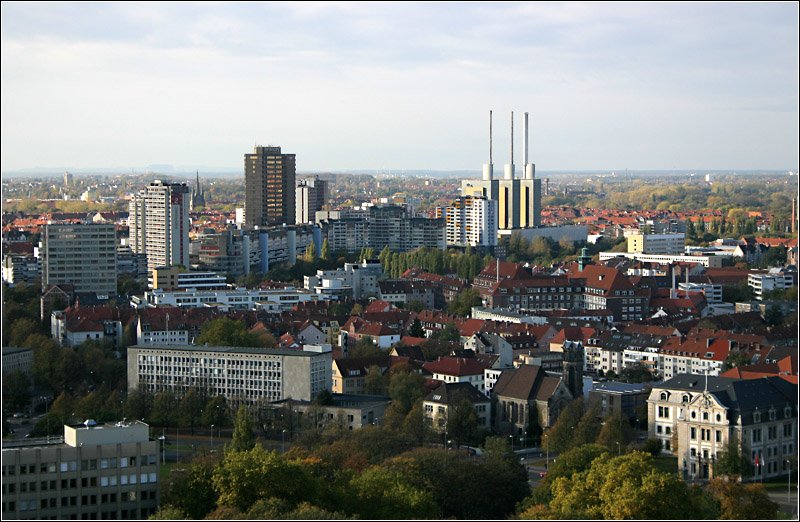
[{"x": 398, "y": 86}]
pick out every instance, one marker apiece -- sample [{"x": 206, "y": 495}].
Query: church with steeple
[{"x": 198, "y": 198}]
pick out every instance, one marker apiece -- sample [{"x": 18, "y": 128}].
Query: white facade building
[
  {"x": 243, "y": 375},
  {"x": 159, "y": 224},
  {"x": 239, "y": 298},
  {"x": 471, "y": 220}
]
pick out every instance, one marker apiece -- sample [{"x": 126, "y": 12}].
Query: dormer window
[
  {"x": 787, "y": 412},
  {"x": 756, "y": 416},
  {"x": 772, "y": 414},
  {"x": 686, "y": 398},
  {"x": 664, "y": 396}
]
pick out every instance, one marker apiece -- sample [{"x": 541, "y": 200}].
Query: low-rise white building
[
  {"x": 278, "y": 299},
  {"x": 774, "y": 279}
]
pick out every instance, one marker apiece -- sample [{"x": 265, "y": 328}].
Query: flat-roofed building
[
  {"x": 83, "y": 255},
  {"x": 17, "y": 360},
  {"x": 96, "y": 471},
  {"x": 241, "y": 375}
]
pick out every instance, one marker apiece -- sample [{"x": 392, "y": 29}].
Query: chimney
[
  {"x": 529, "y": 169},
  {"x": 509, "y": 168},
  {"x": 673, "y": 291},
  {"x": 488, "y": 168}
]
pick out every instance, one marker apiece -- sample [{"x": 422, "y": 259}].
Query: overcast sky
[{"x": 400, "y": 86}]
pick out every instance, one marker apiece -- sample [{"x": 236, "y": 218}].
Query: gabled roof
[
  {"x": 521, "y": 383},
  {"x": 359, "y": 366}
]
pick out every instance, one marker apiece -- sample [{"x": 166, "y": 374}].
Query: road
[{"x": 787, "y": 504}]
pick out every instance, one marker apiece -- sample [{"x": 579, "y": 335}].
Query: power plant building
[{"x": 519, "y": 200}]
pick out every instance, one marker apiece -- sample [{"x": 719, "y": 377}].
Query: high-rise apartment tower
[
  {"x": 269, "y": 178},
  {"x": 159, "y": 224}
]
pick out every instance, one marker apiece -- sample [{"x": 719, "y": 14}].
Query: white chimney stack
[
  {"x": 509, "y": 168},
  {"x": 488, "y": 168},
  {"x": 529, "y": 169}
]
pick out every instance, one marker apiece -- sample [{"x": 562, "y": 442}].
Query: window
[
  {"x": 757, "y": 435},
  {"x": 693, "y": 433},
  {"x": 787, "y": 429},
  {"x": 718, "y": 436}
]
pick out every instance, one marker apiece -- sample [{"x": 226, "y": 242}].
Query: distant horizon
[{"x": 206, "y": 172}]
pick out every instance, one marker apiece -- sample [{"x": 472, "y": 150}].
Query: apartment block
[
  {"x": 269, "y": 177},
  {"x": 158, "y": 219},
  {"x": 470, "y": 220},
  {"x": 83, "y": 255}
]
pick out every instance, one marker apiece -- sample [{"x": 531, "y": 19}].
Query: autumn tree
[{"x": 740, "y": 501}]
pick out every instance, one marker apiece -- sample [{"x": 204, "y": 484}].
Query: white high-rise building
[
  {"x": 159, "y": 224},
  {"x": 471, "y": 220},
  {"x": 84, "y": 255},
  {"x": 311, "y": 195}
]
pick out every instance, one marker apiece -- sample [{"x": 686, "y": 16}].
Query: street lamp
[
  {"x": 212, "y": 437},
  {"x": 163, "y": 440},
  {"x": 619, "y": 449},
  {"x": 283, "y": 441},
  {"x": 547, "y": 449},
  {"x": 512, "y": 443},
  {"x": 789, "y": 487}
]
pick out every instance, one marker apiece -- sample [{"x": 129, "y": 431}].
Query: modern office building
[
  {"x": 178, "y": 278},
  {"x": 96, "y": 471},
  {"x": 242, "y": 375},
  {"x": 269, "y": 178},
  {"x": 272, "y": 299},
  {"x": 311, "y": 195},
  {"x": 470, "y": 220},
  {"x": 158, "y": 219},
  {"x": 17, "y": 360},
  {"x": 519, "y": 200},
  {"x": 83, "y": 255}
]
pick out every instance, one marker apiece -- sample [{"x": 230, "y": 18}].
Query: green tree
[
  {"x": 190, "y": 488},
  {"x": 167, "y": 512},
  {"x": 627, "y": 487},
  {"x": 375, "y": 382},
  {"x": 364, "y": 347},
  {"x": 462, "y": 304},
  {"x": 731, "y": 462},
  {"x": 385, "y": 494},
  {"x": 416, "y": 329},
  {"x": 165, "y": 405},
  {"x": 16, "y": 392},
  {"x": 615, "y": 433},
  {"x": 245, "y": 476},
  {"x": 23, "y": 328},
  {"x": 561, "y": 436},
  {"x": 405, "y": 389},
  {"x": 224, "y": 331},
  {"x": 216, "y": 412},
  {"x": 774, "y": 315},
  {"x": 462, "y": 421},
  {"x": 191, "y": 407},
  {"x": 243, "y": 439},
  {"x": 139, "y": 404}
]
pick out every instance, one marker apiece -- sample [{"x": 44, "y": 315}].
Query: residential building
[
  {"x": 311, "y": 194},
  {"x": 470, "y": 220},
  {"x": 695, "y": 417},
  {"x": 349, "y": 373},
  {"x": 458, "y": 369},
  {"x": 269, "y": 177},
  {"x": 96, "y": 471},
  {"x": 356, "y": 280},
  {"x": 438, "y": 405},
  {"x": 83, "y": 255},
  {"x": 231, "y": 252},
  {"x": 77, "y": 324},
  {"x": 774, "y": 279},
  {"x": 158, "y": 220},
  {"x": 401, "y": 292},
  {"x": 169, "y": 278},
  {"x": 666, "y": 244},
  {"x": 393, "y": 226},
  {"x": 241, "y": 375},
  {"x": 21, "y": 268}
]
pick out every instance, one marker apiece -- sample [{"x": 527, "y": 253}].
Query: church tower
[{"x": 572, "y": 368}]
